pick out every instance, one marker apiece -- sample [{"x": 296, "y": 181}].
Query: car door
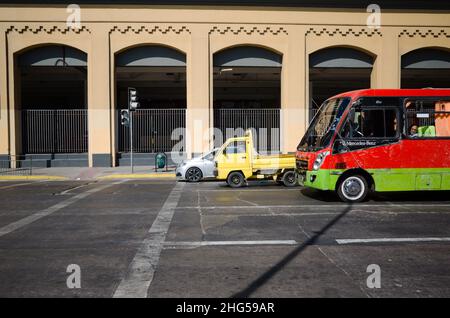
[{"x": 208, "y": 165}]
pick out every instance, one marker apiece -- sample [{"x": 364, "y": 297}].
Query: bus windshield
[{"x": 323, "y": 126}]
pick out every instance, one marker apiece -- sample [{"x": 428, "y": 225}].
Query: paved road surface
[{"x": 168, "y": 239}]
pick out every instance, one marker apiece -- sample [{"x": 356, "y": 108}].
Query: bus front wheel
[{"x": 353, "y": 188}]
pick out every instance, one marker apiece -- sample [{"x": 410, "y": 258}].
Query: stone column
[
  {"x": 99, "y": 108},
  {"x": 198, "y": 116},
  {"x": 4, "y": 126},
  {"x": 293, "y": 96},
  {"x": 386, "y": 69}
]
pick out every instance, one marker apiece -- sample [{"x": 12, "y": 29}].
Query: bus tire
[
  {"x": 236, "y": 179},
  {"x": 353, "y": 188},
  {"x": 289, "y": 179}
]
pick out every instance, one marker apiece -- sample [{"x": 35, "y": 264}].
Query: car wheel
[
  {"x": 353, "y": 189},
  {"x": 194, "y": 174},
  {"x": 289, "y": 179},
  {"x": 236, "y": 179}
]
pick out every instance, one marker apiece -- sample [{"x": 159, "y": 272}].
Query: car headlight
[{"x": 320, "y": 159}]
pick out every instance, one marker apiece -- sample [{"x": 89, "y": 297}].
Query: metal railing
[
  {"x": 16, "y": 166},
  {"x": 54, "y": 131},
  {"x": 152, "y": 130},
  {"x": 265, "y": 122}
]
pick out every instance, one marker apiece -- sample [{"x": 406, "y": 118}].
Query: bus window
[
  {"x": 427, "y": 118},
  {"x": 371, "y": 123}
]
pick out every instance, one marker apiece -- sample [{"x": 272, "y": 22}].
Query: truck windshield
[{"x": 323, "y": 126}]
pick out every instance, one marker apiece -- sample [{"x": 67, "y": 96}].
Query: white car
[{"x": 198, "y": 168}]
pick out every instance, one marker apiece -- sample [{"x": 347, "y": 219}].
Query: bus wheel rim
[{"x": 353, "y": 188}]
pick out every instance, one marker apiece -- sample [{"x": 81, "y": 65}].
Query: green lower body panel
[
  {"x": 386, "y": 179},
  {"x": 321, "y": 179}
]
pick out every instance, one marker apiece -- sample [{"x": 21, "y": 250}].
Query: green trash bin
[{"x": 160, "y": 160}]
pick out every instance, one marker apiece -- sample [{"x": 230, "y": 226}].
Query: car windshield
[
  {"x": 210, "y": 155},
  {"x": 323, "y": 126}
]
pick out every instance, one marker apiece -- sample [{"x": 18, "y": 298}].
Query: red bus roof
[{"x": 396, "y": 92}]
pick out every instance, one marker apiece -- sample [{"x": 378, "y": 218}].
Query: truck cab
[{"x": 237, "y": 161}]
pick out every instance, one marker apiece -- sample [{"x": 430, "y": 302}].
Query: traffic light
[
  {"x": 132, "y": 99},
  {"x": 125, "y": 117}
]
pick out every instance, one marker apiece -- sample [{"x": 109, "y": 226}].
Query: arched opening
[
  {"x": 336, "y": 70},
  {"x": 51, "y": 93},
  {"x": 427, "y": 67},
  {"x": 247, "y": 95},
  {"x": 158, "y": 73}
]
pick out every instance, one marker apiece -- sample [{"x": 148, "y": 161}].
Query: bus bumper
[{"x": 321, "y": 180}]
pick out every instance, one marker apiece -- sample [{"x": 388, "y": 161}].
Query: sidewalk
[{"x": 71, "y": 173}]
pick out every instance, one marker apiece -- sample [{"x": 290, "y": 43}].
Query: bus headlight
[{"x": 320, "y": 159}]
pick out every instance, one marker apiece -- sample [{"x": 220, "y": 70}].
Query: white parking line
[
  {"x": 140, "y": 274},
  {"x": 227, "y": 243},
  {"x": 314, "y": 206},
  {"x": 54, "y": 208},
  {"x": 393, "y": 240}
]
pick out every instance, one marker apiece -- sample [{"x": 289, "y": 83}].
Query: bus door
[{"x": 370, "y": 140}]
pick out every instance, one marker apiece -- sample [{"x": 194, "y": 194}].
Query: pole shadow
[{"x": 264, "y": 278}]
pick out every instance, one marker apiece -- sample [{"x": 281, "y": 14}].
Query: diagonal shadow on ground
[{"x": 264, "y": 278}]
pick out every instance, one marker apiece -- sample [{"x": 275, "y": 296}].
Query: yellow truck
[{"x": 237, "y": 161}]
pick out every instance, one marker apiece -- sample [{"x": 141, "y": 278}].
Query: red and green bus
[{"x": 378, "y": 140}]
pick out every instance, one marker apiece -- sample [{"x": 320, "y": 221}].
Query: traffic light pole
[
  {"x": 133, "y": 104},
  {"x": 131, "y": 141}
]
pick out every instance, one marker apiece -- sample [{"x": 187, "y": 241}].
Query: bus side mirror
[{"x": 339, "y": 146}]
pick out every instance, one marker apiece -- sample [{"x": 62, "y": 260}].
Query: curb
[
  {"x": 17, "y": 178},
  {"x": 139, "y": 176}
]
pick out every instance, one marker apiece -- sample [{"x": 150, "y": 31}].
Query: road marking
[
  {"x": 48, "y": 211},
  {"x": 34, "y": 177},
  {"x": 142, "y": 269},
  {"x": 227, "y": 243},
  {"x": 246, "y": 190},
  {"x": 20, "y": 184},
  {"x": 137, "y": 176},
  {"x": 315, "y": 206},
  {"x": 65, "y": 192},
  {"x": 394, "y": 240}
]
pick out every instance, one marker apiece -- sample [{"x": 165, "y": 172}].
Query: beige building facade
[{"x": 199, "y": 33}]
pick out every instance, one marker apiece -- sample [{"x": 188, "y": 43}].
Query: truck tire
[
  {"x": 289, "y": 179},
  {"x": 236, "y": 179},
  {"x": 353, "y": 188}
]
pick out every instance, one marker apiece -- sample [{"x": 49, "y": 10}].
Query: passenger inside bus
[{"x": 413, "y": 131}]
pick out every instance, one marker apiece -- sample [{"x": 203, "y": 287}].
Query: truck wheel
[
  {"x": 289, "y": 179},
  {"x": 236, "y": 179},
  {"x": 353, "y": 189},
  {"x": 194, "y": 174}
]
